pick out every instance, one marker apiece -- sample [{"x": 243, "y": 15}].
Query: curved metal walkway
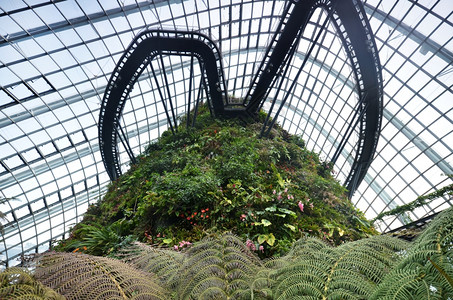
[
  {"x": 351, "y": 24},
  {"x": 349, "y": 19},
  {"x": 147, "y": 46}
]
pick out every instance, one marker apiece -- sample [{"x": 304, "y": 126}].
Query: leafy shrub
[{"x": 221, "y": 177}]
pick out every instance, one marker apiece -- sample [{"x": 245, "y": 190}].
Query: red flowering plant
[{"x": 197, "y": 217}]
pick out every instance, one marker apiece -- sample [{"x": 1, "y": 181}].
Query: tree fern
[
  {"x": 17, "y": 283},
  {"x": 220, "y": 268},
  {"x": 223, "y": 267},
  {"x": 427, "y": 268},
  {"x": 265, "y": 278},
  {"x": 82, "y": 276},
  {"x": 164, "y": 263},
  {"x": 350, "y": 271},
  {"x": 306, "y": 248}
]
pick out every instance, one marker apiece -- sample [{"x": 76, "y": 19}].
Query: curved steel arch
[
  {"x": 142, "y": 50},
  {"x": 349, "y": 19}
]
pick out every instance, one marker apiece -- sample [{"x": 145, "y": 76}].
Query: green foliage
[
  {"x": 18, "y": 283},
  {"x": 426, "y": 270},
  {"x": 223, "y": 267},
  {"x": 82, "y": 276},
  {"x": 97, "y": 239},
  {"x": 220, "y": 177},
  {"x": 272, "y": 193},
  {"x": 164, "y": 263},
  {"x": 217, "y": 268},
  {"x": 349, "y": 271},
  {"x": 420, "y": 201}
]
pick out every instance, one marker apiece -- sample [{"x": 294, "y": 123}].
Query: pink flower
[
  {"x": 274, "y": 191},
  {"x": 311, "y": 205},
  {"x": 175, "y": 247},
  {"x": 279, "y": 197},
  {"x": 301, "y": 206},
  {"x": 242, "y": 217},
  {"x": 261, "y": 248},
  {"x": 182, "y": 244},
  {"x": 286, "y": 190},
  {"x": 250, "y": 245}
]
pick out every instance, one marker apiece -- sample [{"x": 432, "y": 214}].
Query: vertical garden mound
[{"x": 221, "y": 177}]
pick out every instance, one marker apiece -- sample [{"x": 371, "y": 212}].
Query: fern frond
[
  {"x": 305, "y": 248},
  {"x": 349, "y": 271},
  {"x": 82, "y": 276},
  {"x": 276, "y": 263},
  {"x": 416, "y": 276},
  {"x": 218, "y": 269},
  {"x": 162, "y": 262},
  {"x": 402, "y": 286},
  {"x": 17, "y": 283},
  {"x": 301, "y": 290}
]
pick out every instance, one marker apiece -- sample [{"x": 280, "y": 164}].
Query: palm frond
[
  {"x": 83, "y": 276},
  {"x": 18, "y": 283}
]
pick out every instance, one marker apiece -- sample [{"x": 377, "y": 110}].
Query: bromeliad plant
[{"x": 219, "y": 177}]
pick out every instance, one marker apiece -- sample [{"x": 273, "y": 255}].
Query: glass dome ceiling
[{"x": 56, "y": 58}]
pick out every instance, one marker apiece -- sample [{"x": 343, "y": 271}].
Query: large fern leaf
[
  {"x": 164, "y": 263},
  {"x": 18, "y": 283},
  {"x": 218, "y": 268},
  {"x": 350, "y": 271},
  {"x": 82, "y": 276},
  {"x": 427, "y": 269}
]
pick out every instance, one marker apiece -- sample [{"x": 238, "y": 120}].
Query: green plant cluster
[
  {"x": 420, "y": 201},
  {"x": 221, "y": 177},
  {"x": 223, "y": 267}
]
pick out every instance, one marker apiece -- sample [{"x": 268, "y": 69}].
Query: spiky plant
[
  {"x": 18, "y": 283},
  {"x": 426, "y": 271},
  {"x": 83, "y": 276},
  {"x": 349, "y": 271},
  {"x": 218, "y": 268}
]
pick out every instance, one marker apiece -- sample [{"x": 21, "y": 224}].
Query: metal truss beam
[
  {"x": 144, "y": 48},
  {"x": 352, "y": 26}
]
